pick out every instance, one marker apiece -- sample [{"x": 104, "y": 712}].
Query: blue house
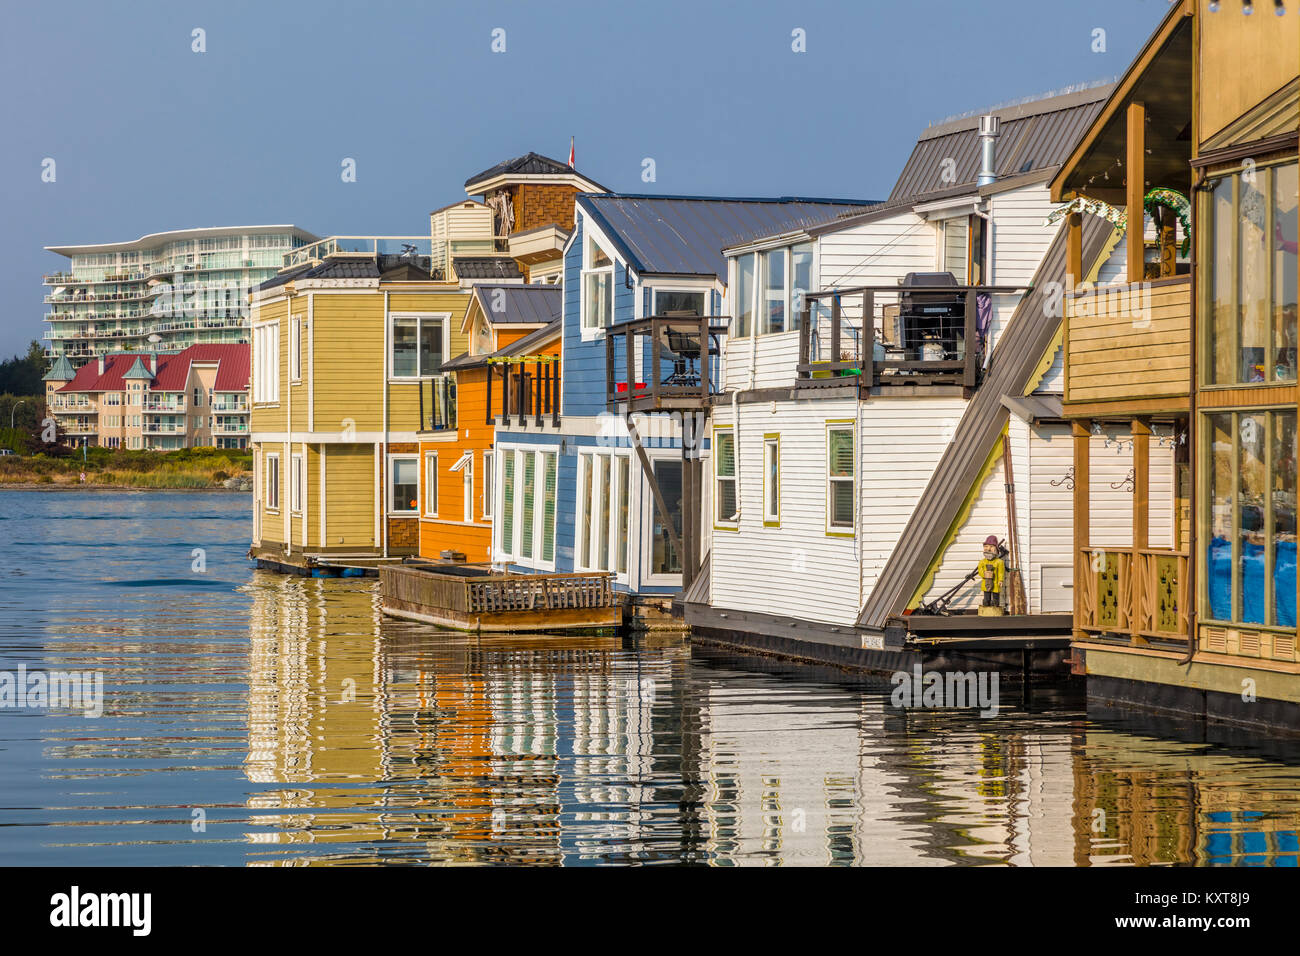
[{"x": 605, "y": 481}]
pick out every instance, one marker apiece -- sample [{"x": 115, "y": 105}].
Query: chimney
[
  {"x": 988, "y": 149},
  {"x": 101, "y": 363}
]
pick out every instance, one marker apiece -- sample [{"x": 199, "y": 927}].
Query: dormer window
[{"x": 597, "y": 287}]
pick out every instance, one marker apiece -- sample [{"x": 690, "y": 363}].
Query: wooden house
[
  {"x": 343, "y": 339},
  {"x": 1186, "y": 572},
  {"x": 608, "y": 485},
  {"x": 891, "y": 398},
  {"x": 509, "y": 370}
]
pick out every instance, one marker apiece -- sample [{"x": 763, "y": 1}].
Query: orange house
[{"x": 511, "y": 368}]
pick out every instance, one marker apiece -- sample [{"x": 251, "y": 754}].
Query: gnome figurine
[{"x": 992, "y": 570}]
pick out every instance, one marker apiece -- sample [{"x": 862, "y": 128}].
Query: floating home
[
  {"x": 603, "y": 485},
  {"x": 892, "y": 399},
  {"x": 1196, "y": 150}
]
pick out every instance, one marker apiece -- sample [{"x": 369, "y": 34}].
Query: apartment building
[
  {"x": 194, "y": 398},
  {"x": 165, "y": 291}
]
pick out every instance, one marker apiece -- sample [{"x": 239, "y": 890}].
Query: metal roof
[
  {"x": 530, "y": 164},
  {"x": 1014, "y": 360},
  {"x": 520, "y": 346},
  {"x": 350, "y": 267},
  {"x": 506, "y": 304},
  {"x": 685, "y": 235},
  {"x": 1033, "y": 135}
]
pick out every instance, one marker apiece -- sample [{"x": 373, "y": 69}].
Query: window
[
  {"x": 771, "y": 480},
  {"x": 1250, "y": 559},
  {"x": 297, "y": 476},
  {"x": 624, "y": 468},
  {"x": 586, "y": 462},
  {"x": 549, "y": 476},
  {"x": 403, "y": 484},
  {"x": 467, "y": 488},
  {"x": 416, "y": 344},
  {"x": 198, "y": 398},
  {"x": 273, "y": 482},
  {"x": 772, "y": 315},
  {"x": 675, "y": 302},
  {"x": 431, "y": 484},
  {"x": 727, "y": 509},
  {"x": 597, "y": 288},
  {"x": 839, "y": 477},
  {"x": 295, "y": 349},
  {"x": 603, "y": 530},
  {"x": 801, "y": 274},
  {"x": 266, "y": 364},
  {"x": 508, "y": 501},
  {"x": 489, "y": 461},
  {"x": 1250, "y": 300},
  {"x": 663, "y": 556},
  {"x": 527, "y": 511},
  {"x": 744, "y": 295},
  {"x": 955, "y": 238}
]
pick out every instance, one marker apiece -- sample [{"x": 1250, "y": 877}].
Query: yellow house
[{"x": 341, "y": 340}]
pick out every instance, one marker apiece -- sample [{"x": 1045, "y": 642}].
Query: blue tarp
[{"x": 1219, "y": 561}]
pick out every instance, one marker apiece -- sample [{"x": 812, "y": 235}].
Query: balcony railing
[
  {"x": 1133, "y": 341},
  {"x": 239, "y": 407},
  {"x": 1139, "y": 593},
  {"x": 524, "y": 387},
  {"x": 664, "y": 362},
  {"x": 174, "y": 405},
  {"x": 919, "y": 334},
  {"x": 361, "y": 246},
  {"x": 230, "y": 428},
  {"x": 159, "y": 428}
]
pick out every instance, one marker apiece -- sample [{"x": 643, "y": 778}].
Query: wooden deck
[{"x": 473, "y": 598}]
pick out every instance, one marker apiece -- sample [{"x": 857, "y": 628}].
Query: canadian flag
[{"x": 571, "y": 154}]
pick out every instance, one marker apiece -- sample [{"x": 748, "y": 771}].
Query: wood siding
[{"x": 1119, "y": 352}]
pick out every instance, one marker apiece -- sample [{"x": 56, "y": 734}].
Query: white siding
[
  {"x": 1020, "y": 238},
  {"x": 1111, "y": 508},
  {"x": 1051, "y": 512},
  {"x": 902, "y": 441},
  {"x": 773, "y": 357},
  {"x": 794, "y": 570}
]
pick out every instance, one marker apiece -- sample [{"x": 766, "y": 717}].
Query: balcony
[
  {"x": 928, "y": 331},
  {"x": 239, "y": 407},
  {"x": 529, "y": 387},
  {"x": 80, "y": 428},
  {"x": 664, "y": 362},
  {"x": 159, "y": 428},
  {"x": 168, "y": 406},
  {"x": 1139, "y": 593},
  {"x": 1129, "y": 342},
  {"x": 230, "y": 428}
]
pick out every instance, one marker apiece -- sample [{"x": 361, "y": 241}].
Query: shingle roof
[
  {"x": 1033, "y": 135},
  {"x": 505, "y": 304},
  {"x": 169, "y": 372},
  {"x": 1015, "y": 358},
  {"x": 530, "y": 164},
  {"x": 486, "y": 267},
  {"x": 685, "y": 235},
  {"x": 349, "y": 267}
]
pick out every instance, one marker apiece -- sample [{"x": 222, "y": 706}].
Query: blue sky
[{"x": 149, "y": 135}]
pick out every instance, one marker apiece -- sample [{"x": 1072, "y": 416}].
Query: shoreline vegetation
[{"x": 186, "y": 469}]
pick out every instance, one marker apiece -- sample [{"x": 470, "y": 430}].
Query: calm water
[{"x": 255, "y": 719}]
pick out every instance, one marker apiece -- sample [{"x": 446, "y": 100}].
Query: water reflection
[{"x": 263, "y": 720}]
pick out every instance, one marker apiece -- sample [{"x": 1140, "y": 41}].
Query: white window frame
[
  {"x": 610, "y": 462},
  {"x": 771, "y": 454},
  {"x": 297, "y": 482},
  {"x": 295, "y": 349},
  {"x": 487, "y": 506},
  {"x": 648, "y": 576},
  {"x": 730, "y": 522},
  {"x": 430, "y": 500},
  {"x": 590, "y": 242},
  {"x": 391, "y": 473},
  {"x": 420, "y": 318},
  {"x": 271, "y": 486},
  {"x": 266, "y": 365},
  {"x": 465, "y": 465},
  {"x": 831, "y": 528},
  {"x": 517, "y": 556}
]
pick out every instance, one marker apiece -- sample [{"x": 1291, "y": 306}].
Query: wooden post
[
  {"x": 539, "y": 385},
  {"x": 970, "y": 373},
  {"x": 1141, "y": 525},
  {"x": 805, "y": 334},
  {"x": 835, "y": 332},
  {"x": 868, "y": 339},
  {"x": 687, "y": 554},
  {"x": 611, "y": 393},
  {"x": 555, "y": 393},
  {"x": 505, "y": 394},
  {"x": 1135, "y": 189},
  {"x": 629, "y": 348},
  {"x": 489, "y": 394},
  {"x": 1074, "y": 250},
  {"x": 704, "y": 358},
  {"x": 1082, "y": 453}
]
